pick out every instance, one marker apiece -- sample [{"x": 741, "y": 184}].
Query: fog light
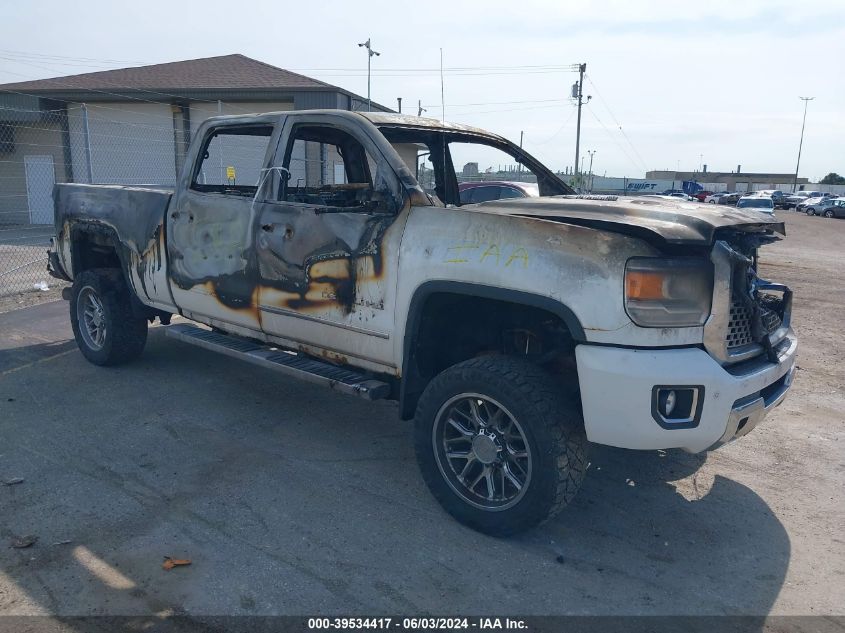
[
  {"x": 677, "y": 407},
  {"x": 668, "y": 402}
]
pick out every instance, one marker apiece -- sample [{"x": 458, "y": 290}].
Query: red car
[
  {"x": 701, "y": 195},
  {"x": 486, "y": 190}
]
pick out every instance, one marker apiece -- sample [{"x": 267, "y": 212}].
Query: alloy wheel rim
[
  {"x": 91, "y": 316},
  {"x": 482, "y": 451}
]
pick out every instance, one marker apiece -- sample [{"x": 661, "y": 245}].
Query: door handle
[{"x": 268, "y": 227}]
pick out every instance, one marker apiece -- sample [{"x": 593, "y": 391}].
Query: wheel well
[
  {"x": 96, "y": 247},
  {"x": 93, "y": 249},
  {"x": 452, "y": 327}
]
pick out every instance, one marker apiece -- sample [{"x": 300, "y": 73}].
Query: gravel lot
[{"x": 291, "y": 499}]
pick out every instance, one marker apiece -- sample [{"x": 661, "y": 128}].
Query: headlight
[{"x": 668, "y": 292}]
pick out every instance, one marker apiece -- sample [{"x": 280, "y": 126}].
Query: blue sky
[{"x": 683, "y": 79}]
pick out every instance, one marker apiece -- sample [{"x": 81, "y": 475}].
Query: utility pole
[
  {"x": 399, "y": 101},
  {"x": 578, "y": 95},
  {"x": 591, "y": 152},
  {"x": 370, "y": 53},
  {"x": 806, "y": 100},
  {"x": 420, "y": 109},
  {"x": 521, "y": 136}
]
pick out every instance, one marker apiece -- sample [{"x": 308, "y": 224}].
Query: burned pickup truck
[{"x": 333, "y": 246}]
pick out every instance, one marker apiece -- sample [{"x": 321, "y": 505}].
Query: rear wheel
[
  {"x": 828, "y": 213},
  {"x": 499, "y": 444},
  {"x": 106, "y": 330}
]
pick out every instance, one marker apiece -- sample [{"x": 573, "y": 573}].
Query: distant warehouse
[{"x": 731, "y": 181}]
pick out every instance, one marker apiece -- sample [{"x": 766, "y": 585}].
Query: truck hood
[{"x": 658, "y": 220}]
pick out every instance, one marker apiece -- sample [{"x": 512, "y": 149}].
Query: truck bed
[{"x": 135, "y": 214}]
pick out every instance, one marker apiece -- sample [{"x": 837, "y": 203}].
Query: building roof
[
  {"x": 224, "y": 72},
  {"x": 704, "y": 175}
]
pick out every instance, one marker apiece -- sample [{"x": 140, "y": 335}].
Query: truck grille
[{"x": 739, "y": 325}]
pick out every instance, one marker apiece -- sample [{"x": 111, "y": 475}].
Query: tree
[{"x": 832, "y": 179}]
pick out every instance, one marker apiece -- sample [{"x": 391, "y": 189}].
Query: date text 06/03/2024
[{"x": 410, "y": 624}]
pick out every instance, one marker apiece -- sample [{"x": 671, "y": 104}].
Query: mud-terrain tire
[
  {"x": 536, "y": 439},
  {"x": 105, "y": 329}
]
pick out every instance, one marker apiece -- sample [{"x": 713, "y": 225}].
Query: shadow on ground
[{"x": 292, "y": 499}]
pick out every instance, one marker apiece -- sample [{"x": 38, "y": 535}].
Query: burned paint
[{"x": 657, "y": 221}]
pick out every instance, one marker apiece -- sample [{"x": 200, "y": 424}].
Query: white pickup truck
[{"x": 333, "y": 246}]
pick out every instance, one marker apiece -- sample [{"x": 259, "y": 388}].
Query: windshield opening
[{"x": 456, "y": 168}]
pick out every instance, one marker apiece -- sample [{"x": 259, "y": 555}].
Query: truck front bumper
[{"x": 618, "y": 388}]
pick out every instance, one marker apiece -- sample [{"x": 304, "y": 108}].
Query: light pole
[
  {"x": 370, "y": 53},
  {"x": 592, "y": 153},
  {"x": 806, "y": 100}
]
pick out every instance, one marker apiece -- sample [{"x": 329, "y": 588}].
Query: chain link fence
[
  {"x": 132, "y": 143},
  {"x": 110, "y": 143}
]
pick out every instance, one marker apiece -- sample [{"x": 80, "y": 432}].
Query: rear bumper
[
  {"x": 54, "y": 266},
  {"x": 616, "y": 391}
]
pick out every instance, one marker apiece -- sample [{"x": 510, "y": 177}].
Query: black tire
[
  {"x": 124, "y": 334},
  {"x": 828, "y": 213},
  {"x": 554, "y": 441}
]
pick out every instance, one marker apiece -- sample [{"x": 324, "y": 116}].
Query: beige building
[
  {"x": 733, "y": 181},
  {"x": 132, "y": 125}
]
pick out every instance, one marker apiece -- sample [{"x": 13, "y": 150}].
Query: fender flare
[
  {"x": 407, "y": 395},
  {"x": 120, "y": 250}
]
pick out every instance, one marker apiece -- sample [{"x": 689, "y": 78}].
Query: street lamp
[
  {"x": 591, "y": 152},
  {"x": 806, "y": 100},
  {"x": 370, "y": 53}
]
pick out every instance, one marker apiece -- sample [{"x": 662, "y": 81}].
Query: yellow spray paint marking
[
  {"x": 518, "y": 254},
  {"x": 490, "y": 255},
  {"x": 457, "y": 259},
  {"x": 492, "y": 251}
]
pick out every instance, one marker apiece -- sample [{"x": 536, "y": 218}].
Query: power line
[
  {"x": 612, "y": 138},
  {"x": 555, "y": 67},
  {"x": 87, "y": 59},
  {"x": 559, "y": 130},
  {"x": 615, "y": 120},
  {"x": 460, "y": 105}
]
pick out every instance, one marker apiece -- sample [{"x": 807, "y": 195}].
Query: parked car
[
  {"x": 777, "y": 196},
  {"x": 661, "y": 196},
  {"x": 817, "y": 206},
  {"x": 713, "y": 198},
  {"x": 731, "y": 198},
  {"x": 513, "y": 332},
  {"x": 836, "y": 208},
  {"x": 485, "y": 191},
  {"x": 681, "y": 195},
  {"x": 701, "y": 195},
  {"x": 761, "y": 203},
  {"x": 798, "y": 197},
  {"x": 809, "y": 202}
]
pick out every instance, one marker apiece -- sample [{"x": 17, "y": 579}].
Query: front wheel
[
  {"x": 499, "y": 444},
  {"x": 106, "y": 330}
]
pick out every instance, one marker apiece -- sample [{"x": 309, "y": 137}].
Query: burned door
[
  {"x": 210, "y": 227},
  {"x": 327, "y": 244}
]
